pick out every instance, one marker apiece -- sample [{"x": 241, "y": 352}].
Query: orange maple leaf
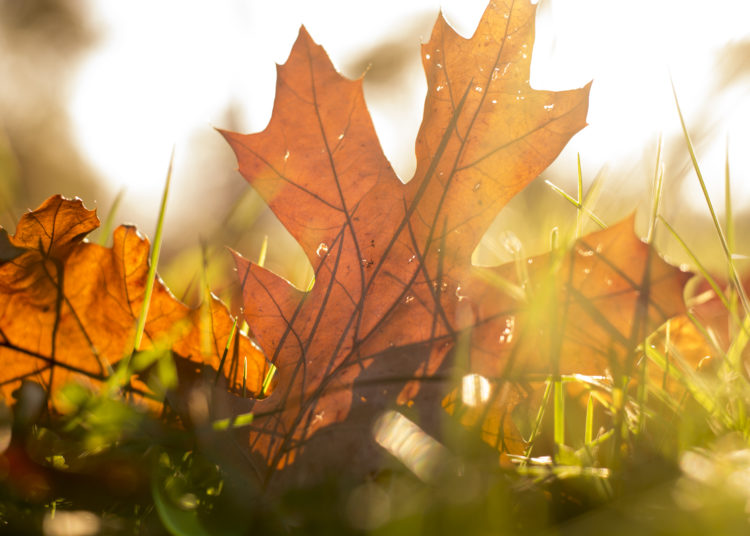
[
  {"x": 394, "y": 285},
  {"x": 68, "y": 308}
]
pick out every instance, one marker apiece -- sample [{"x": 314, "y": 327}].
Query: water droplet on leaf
[{"x": 507, "y": 334}]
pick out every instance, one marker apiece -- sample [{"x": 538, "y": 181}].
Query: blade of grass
[
  {"x": 642, "y": 397},
  {"x": 109, "y": 223},
  {"x": 575, "y": 203},
  {"x": 728, "y": 217},
  {"x": 267, "y": 379},
  {"x": 237, "y": 421},
  {"x": 701, "y": 269},
  {"x": 727, "y": 251},
  {"x": 155, "y": 250},
  {"x": 206, "y": 329},
  {"x": 588, "y": 435},
  {"x": 559, "y": 413},
  {"x": 226, "y": 351},
  {"x": 656, "y": 192},
  {"x": 538, "y": 421},
  {"x": 579, "y": 202},
  {"x": 729, "y": 223},
  {"x": 244, "y": 379},
  {"x": 592, "y": 196},
  {"x": 263, "y": 251}
]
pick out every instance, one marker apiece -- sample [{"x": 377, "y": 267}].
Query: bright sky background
[{"x": 166, "y": 71}]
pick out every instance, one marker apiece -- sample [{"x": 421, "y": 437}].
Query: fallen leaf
[
  {"x": 587, "y": 308},
  {"x": 395, "y": 292},
  {"x": 68, "y": 308}
]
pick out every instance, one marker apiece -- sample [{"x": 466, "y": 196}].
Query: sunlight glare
[
  {"x": 155, "y": 81},
  {"x": 475, "y": 390},
  {"x": 411, "y": 445}
]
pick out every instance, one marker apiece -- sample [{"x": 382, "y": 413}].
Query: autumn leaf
[
  {"x": 68, "y": 308},
  {"x": 395, "y": 295}
]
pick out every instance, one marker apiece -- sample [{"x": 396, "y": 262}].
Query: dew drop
[
  {"x": 341, "y": 136},
  {"x": 286, "y": 155},
  {"x": 530, "y": 261},
  {"x": 439, "y": 88},
  {"x": 476, "y": 187},
  {"x": 322, "y": 249},
  {"x": 584, "y": 252},
  {"x": 587, "y": 270},
  {"x": 411, "y": 259},
  {"x": 506, "y": 336},
  {"x": 524, "y": 56},
  {"x": 459, "y": 296},
  {"x": 427, "y": 56},
  {"x": 609, "y": 282},
  {"x": 478, "y": 89},
  {"x": 408, "y": 299},
  {"x": 549, "y": 107},
  {"x": 494, "y": 101},
  {"x": 439, "y": 65}
]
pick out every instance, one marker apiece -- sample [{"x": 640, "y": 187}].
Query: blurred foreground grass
[
  {"x": 661, "y": 461},
  {"x": 664, "y": 452}
]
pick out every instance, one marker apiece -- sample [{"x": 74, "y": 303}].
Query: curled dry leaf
[{"x": 68, "y": 308}]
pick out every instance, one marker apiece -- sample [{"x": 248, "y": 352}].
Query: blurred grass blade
[
  {"x": 109, "y": 223},
  {"x": 592, "y": 196},
  {"x": 730, "y": 262},
  {"x": 263, "y": 251},
  {"x": 244, "y": 379},
  {"x": 226, "y": 351},
  {"x": 155, "y": 250},
  {"x": 267, "y": 380},
  {"x": 559, "y": 412},
  {"x": 698, "y": 264},
  {"x": 580, "y": 206},
  {"x": 177, "y": 521},
  {"x": 237, "y": 421},
  {"x": 656, "y": 187},
  {"x": 538, "y": 420},
  {"x": 579, "y": 203},
  {"x": 728, "y": 216},
  {"x": 589, "y": 430}
]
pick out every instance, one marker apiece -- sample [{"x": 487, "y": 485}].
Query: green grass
[{"x": 666, "y": 451}]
